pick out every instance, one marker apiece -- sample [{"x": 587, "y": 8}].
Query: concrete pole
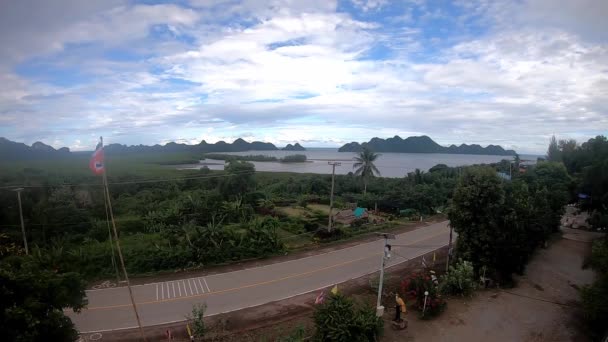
[
  {"x": 379, "y": 308},
  {"x": 331, "y": 197},
  {"x": 27, "y": 251},
  {"x": 447, "y": 263}
]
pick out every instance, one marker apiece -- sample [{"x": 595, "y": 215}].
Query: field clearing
[
  {"x": 293, "y": 211},
  {"x": 321, "y": 207}
]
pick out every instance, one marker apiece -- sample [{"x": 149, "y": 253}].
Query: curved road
[{"x": 171, "y": 301}]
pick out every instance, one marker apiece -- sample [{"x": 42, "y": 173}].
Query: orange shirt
[{"x": 401, "y": 304}]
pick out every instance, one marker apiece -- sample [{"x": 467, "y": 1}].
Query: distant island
[
  {"x": 10, "y": 150},
  {"x": 423, "y": 144},
  {"x": 296, "y": 147}
]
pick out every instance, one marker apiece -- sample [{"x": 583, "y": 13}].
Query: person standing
[{"x": 399, "y": 308}]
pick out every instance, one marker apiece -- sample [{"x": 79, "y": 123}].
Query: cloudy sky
[{"x": 318, "y": 72}]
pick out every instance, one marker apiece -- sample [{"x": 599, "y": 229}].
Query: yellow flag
[
  {"x": 335, "y": 290},
  {"x": 434, "y": 257},
  {"x": 188, "y": 329}
]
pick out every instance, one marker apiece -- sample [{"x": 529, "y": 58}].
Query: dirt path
[{"x": 552, "y": 277}]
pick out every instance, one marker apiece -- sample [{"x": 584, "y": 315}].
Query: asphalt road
[{"x": 172, "y": 301}]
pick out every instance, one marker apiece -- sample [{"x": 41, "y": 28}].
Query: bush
[
  {"x": 198, "y": 324},
  {"x": 460, "y": 280},
  {"x": 339, "y": 319},
  {"x": 415, "y": 286}
]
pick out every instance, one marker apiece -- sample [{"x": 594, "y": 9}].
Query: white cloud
[{"x": 290, "y": 71}]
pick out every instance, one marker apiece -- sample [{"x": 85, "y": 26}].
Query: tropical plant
[
  {"x": 339, "y": 319},
  {"x": 460, "y": 280},
  {"x": 197, "y": 319},
  {"x": 365, "y": 167}
]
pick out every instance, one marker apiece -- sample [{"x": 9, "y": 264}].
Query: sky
[{"x": 318, "y": 72}]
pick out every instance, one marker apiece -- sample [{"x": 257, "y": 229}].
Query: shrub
[
  {"x": 460, "y": 280},
  {"x": 339, "y": 319},
  {"x": 198, "y": 324},
  {"x": 415, "y": 285}
]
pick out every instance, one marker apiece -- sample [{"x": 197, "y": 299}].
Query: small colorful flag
[
  {"x": 97, "y": 160},
  {"x": 334, "y": 291},
  {"x": 320, "y": 298}
]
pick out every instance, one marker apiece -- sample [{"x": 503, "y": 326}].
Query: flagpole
[
  {"x": 105, "y": 204},
  {"x": 122, "y": 260}
]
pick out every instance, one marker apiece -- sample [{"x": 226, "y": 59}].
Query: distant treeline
[{"x": 294, "y": 158}]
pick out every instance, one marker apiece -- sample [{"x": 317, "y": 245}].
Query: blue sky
[{"x": 318, "y": 72}]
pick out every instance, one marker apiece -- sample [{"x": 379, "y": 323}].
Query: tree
[
  {"x": 32, "y": 299},
  {"x": 490, "y": 218},
  {"x": 364, "y": 165},
  {"x": 339, "y": 320},
  {"x": 553, "y": 152},
  {"x": 241, "y": 179}
]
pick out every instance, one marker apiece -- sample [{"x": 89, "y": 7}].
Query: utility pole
[
  {"x": 18, "y": 190},
  {"x": 331, "y": 197},
  {"x": 386, "y": 254},
  {"x": 447, "y": 263}
]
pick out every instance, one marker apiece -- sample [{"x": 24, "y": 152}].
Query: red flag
[{"x": 97, "y": 161}]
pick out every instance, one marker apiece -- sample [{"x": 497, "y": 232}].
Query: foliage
[
  {"x": 241, "y": 179},
  {"x": 460, "y": 280},
  {"x": 588, "y": 163},
  {"x": 294, "y": 158},
  {"x": 364, "y": 165},
  {"x": 229, "y": 157},
  {"x": 594, "y": 297},
  {"x": 33, "y": 298},
  {"x": 168, "y": 225},
  {"x": 553, "y": 152},
  {"x": 198, "y": 322},
  {"x": 339, "y": 319},
  {"x": 500, "y": 224},
  {"x": 415, "y": 285}
]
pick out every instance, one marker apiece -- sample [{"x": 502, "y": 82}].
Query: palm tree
[{"x": 364, "y": 165}]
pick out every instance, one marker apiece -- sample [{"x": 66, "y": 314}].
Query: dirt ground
[{"x": 543, "y": 306}]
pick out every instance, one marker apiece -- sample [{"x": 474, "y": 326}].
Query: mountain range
[
  {"x": 10, "y": 150},
  {"x": 422, "y": 144}
]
